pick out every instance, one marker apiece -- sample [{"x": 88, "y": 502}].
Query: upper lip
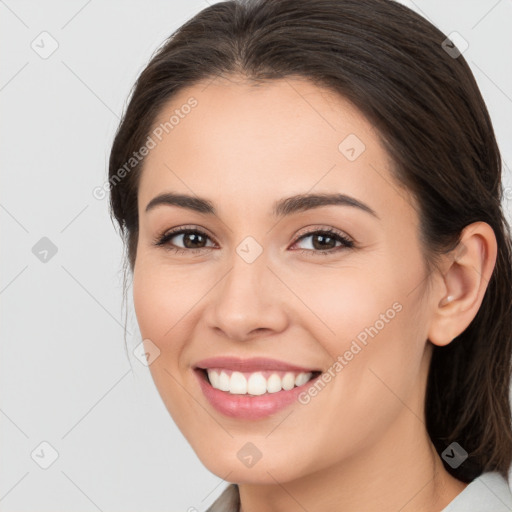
[{"x": 250, "y": 365}]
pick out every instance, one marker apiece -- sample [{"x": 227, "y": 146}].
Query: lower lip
[{"x": 249, "y": 407}]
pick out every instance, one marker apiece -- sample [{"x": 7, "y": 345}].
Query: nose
[{"x": 249, "y": 301}]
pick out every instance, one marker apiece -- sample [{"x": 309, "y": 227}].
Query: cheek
[
  {"x": 159, "y": 304},
  {"x": 161, "y": 307},
  {"x": 161, "y": 298},
  {"x": 369, "y": 317},
  {"x": 147, "y": 302},
  {"x": 167, "y": 303},
  {"x": 344, "y": 302}
]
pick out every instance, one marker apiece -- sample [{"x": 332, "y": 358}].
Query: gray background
[{"x": 65, "y": 376}]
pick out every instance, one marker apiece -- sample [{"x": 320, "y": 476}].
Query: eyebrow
[{"x": 281, "y": 208}]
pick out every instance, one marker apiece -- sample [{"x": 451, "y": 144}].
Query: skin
[{"x": 361, "y": 443}]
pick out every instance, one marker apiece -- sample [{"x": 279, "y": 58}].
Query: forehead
[
  {"x": 264, "y": 140},
  {"x": 294, "y": 109}
]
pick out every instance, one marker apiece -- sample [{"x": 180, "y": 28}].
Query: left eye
[
  {"x": 325, "y": 241},
  {"x": 193, "y": 240}
]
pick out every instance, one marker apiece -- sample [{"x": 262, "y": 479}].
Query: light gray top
[{"x": 490, "y": 492}]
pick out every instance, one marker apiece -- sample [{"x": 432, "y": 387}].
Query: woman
[{"x": 309, "y": 192}]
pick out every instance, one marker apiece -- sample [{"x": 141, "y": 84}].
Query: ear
[{"x": 465, "y": 275}]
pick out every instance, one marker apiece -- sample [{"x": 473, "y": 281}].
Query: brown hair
[{"x": 393, "y": 66}]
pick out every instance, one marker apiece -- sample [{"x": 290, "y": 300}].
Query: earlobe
[{"x": 461, "y": 289}]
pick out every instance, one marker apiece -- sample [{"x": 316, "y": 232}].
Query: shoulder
[
  {"x": 228, "y": 501},
  {"x": 490, "y": 492}
]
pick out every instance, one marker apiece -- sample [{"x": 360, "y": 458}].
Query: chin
[{"x": 226, "y": 464}]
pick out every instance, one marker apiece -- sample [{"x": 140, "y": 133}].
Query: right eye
[{"x": 190, "y": 239}]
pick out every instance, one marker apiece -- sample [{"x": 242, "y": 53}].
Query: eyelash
[{"x": 162, "y": 240}]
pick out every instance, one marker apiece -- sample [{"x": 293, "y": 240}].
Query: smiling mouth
[{"x": 255, "y": 383}]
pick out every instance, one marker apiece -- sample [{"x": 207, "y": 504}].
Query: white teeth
[
  {"x": 302, "y": 378},
  {"x": 288, "y": 381},
  {"x": 238, "y": 384},
  {"x": 274, "y": 383},
  {"x": 255, "y": 383},
  {"x": 214, "y": 379},
  {"x": 223, "y": 381}
]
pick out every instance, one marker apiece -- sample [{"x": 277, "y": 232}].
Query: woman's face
[{"x": 251, "y": 281}]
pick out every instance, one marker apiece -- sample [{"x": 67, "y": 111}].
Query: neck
[{"x": 402, "y": 471}]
